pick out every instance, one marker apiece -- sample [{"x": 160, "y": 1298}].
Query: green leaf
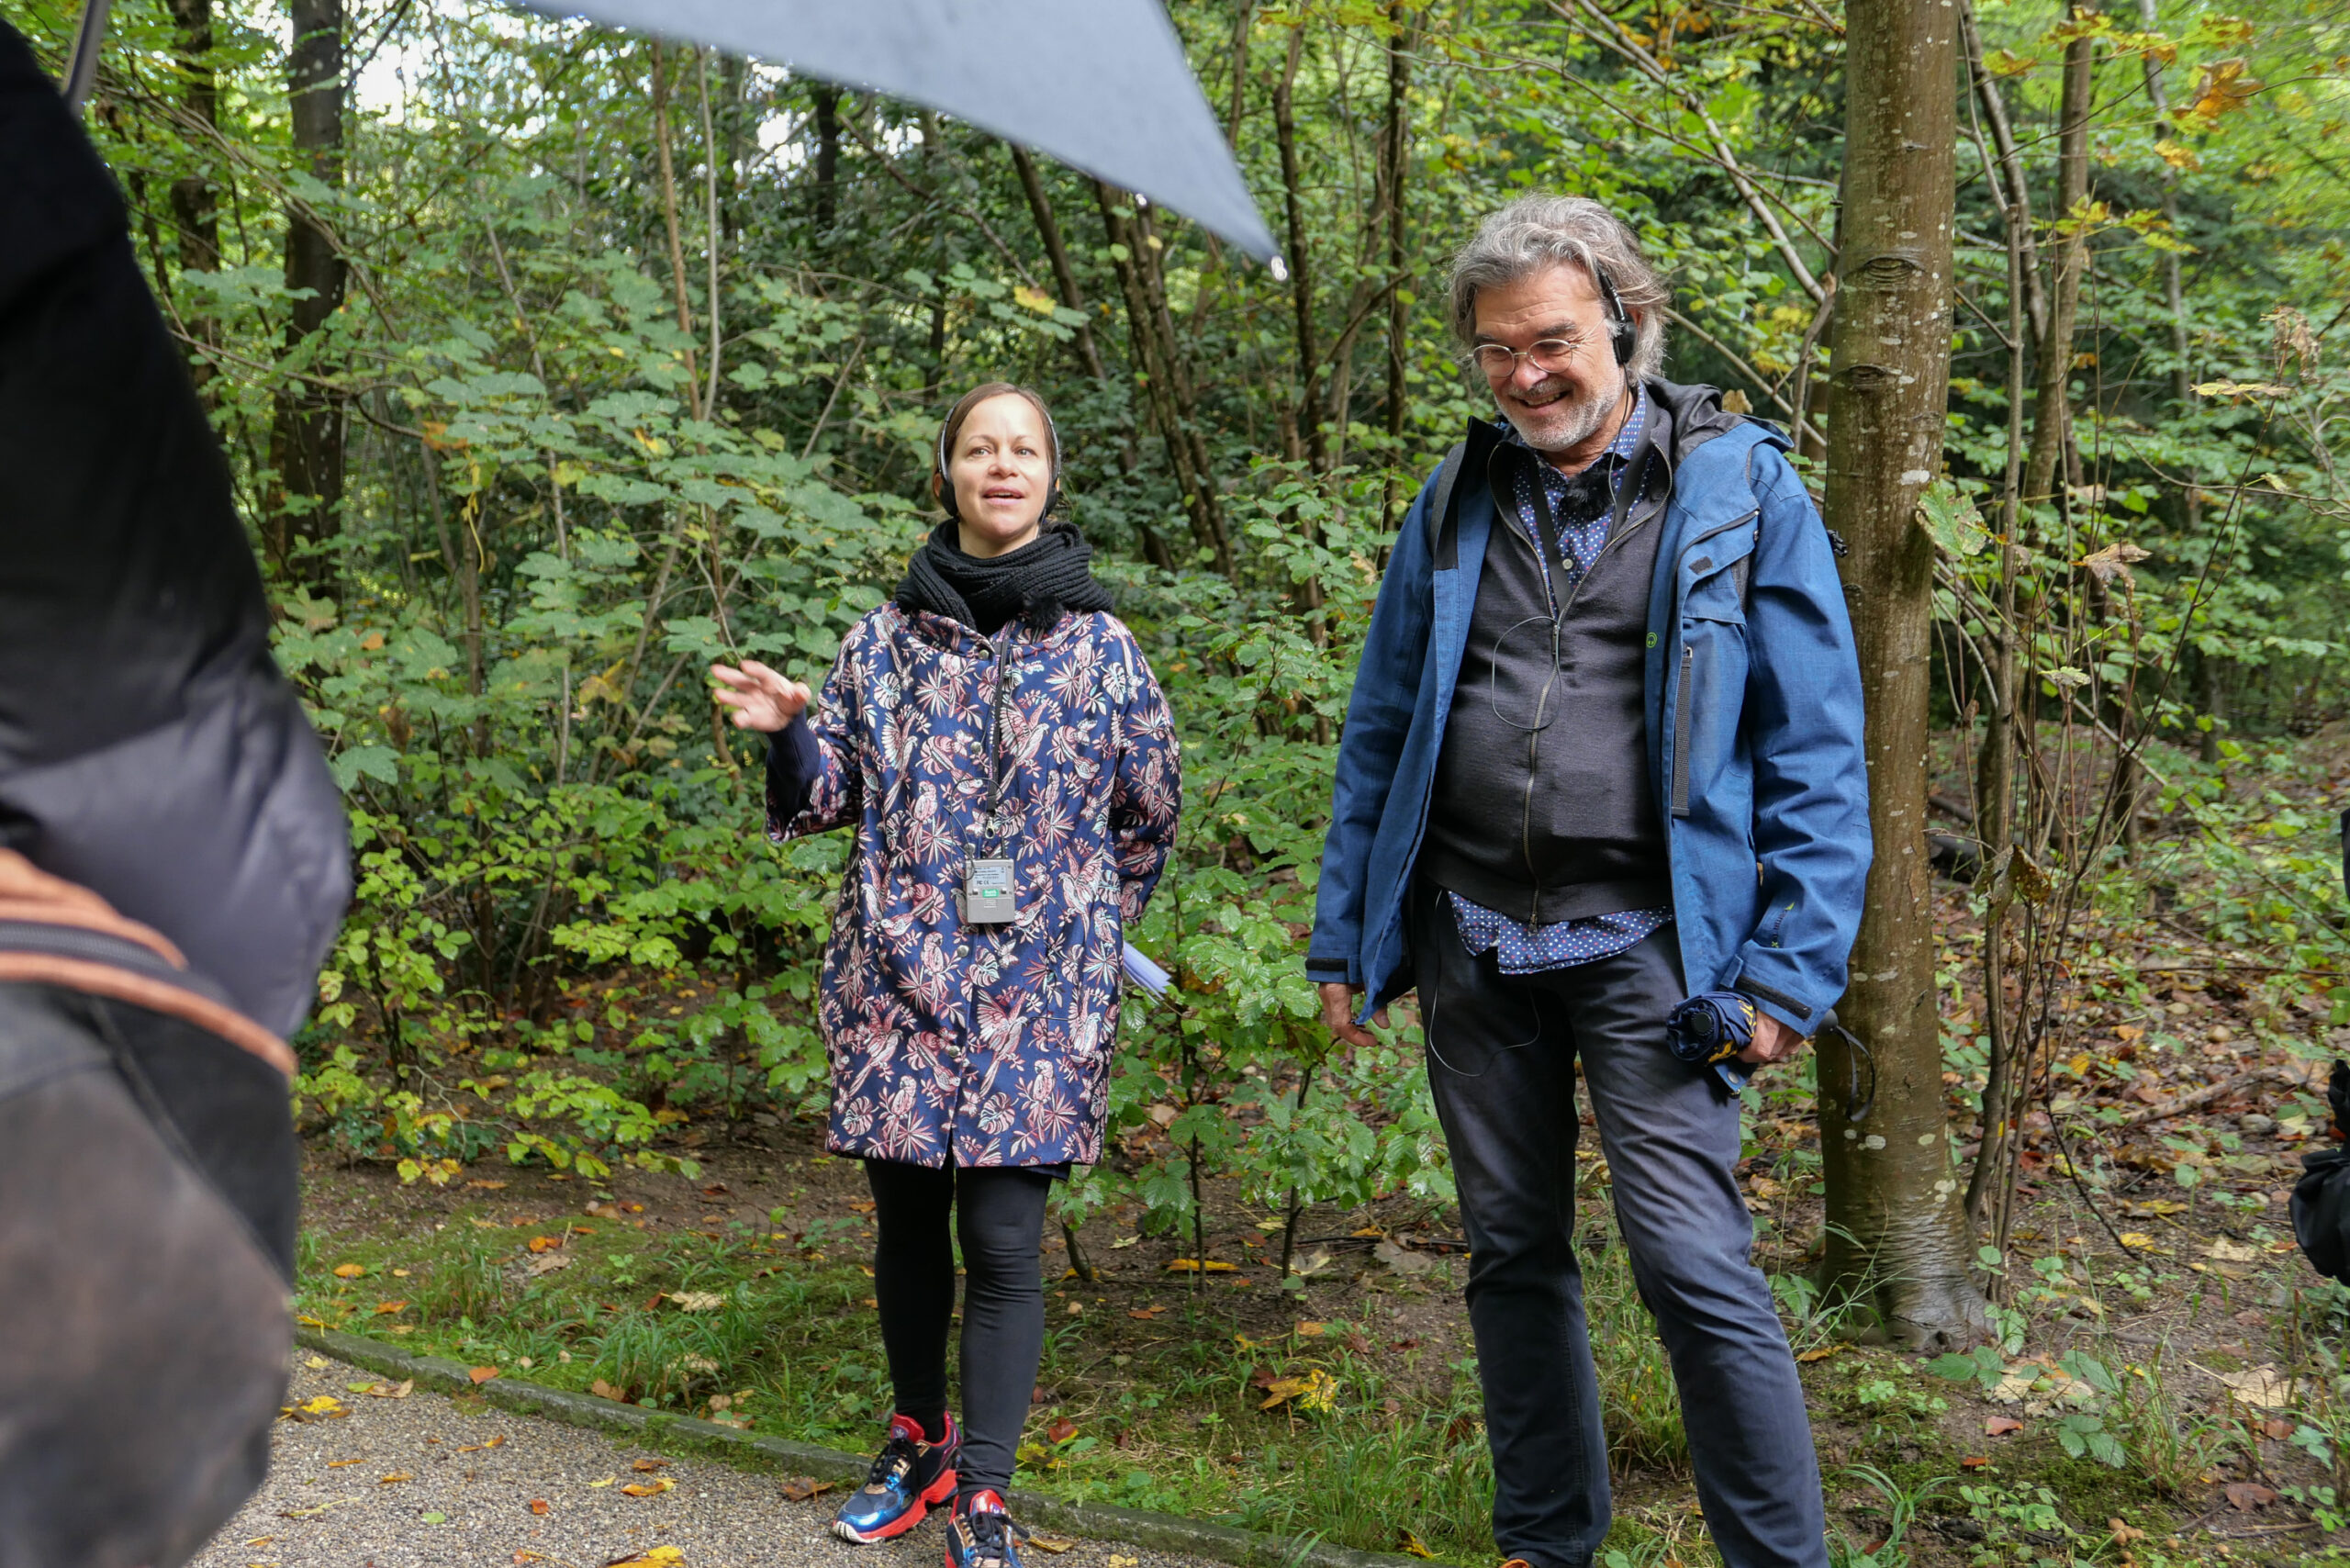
[
  {"x": 1950, "y": 515},
  {"x": 378, "y": 762}
]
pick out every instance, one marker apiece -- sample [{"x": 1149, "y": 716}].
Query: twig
[{"x": 2203, "y": 1097}]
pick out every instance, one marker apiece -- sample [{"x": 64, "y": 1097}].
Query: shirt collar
[{"x": 1627, "y": 442}]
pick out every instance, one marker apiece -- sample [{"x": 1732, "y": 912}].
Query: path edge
[{"x": 1099, "y": 1521}]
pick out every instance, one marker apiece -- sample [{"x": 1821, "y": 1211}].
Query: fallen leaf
[
  {"x": 2231, "y": 1252},
  {"x": 2000, "y": 1425},
  {"x": 661, "y": 1555},
  {"x": 324, "y": 1405},
  {"x": 523, "y": 1556},
  {"x": 653, "y": 1488},
  {"x": 698, "y": 1301},
  {"x": 537, "y": 1267},
  {"x": 540, "y": 1504},
  {"x": 394, "y": 1479},
  {"x": 1415, "y": 1547},
  {"x": 1060, "y": 1432},
  {"x": 1194, "y": 1266},
  {"x": 2264, "y": 1386},
  {"x": 647, "y": 1466},
  {"x": 1315, "y": 1389},
  {"x": 498, "y": 1441},
  {"x": 436, "y": 1517},
  {"x": 399, "y": 1390},
  {"x": 487, "y": 1186},
  {"x": 2276, "y": 1428},
  {"x": 718, "y": 1190},
  {"x": 1051, "y": 1543},
  {"x": 603, "y": 1390},
  {"x": 1975, "y": 1461},
  {"x": 604, "y": 1211},
  {"x": 342, "y": 1464},
  {"x": 1118, "y": 1562},
  {"x": 800, "y": 1488},
  {"x": 399, "y": 1274},
  {"x": 2136, "y": 1239},
  {"x": 1145, "y": 1313},
  {"x": 482, "y": 1374},
  {"x": 1123, "y": 1242},
  {"x": 1404, "y": 1261},
  {"x": 1820, "y": 1354},
  {"x": 316, "y": 1363},
  {"x": 348, "y": 1270},
  {"x": 2245, "y": 1495},
  {"x": 607, "y": 1481},
  {"x": 1312, "y": 1330},
  {"x": 546, "y": 1243},
  {"x": 386, "y": 1308},
  {"x": 1367, "y": 1231}
]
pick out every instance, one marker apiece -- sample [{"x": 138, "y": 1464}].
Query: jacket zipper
[{"x": 1680, "y": 735}]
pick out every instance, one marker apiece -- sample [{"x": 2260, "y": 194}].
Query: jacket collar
[{"x": 951, "y": 636}]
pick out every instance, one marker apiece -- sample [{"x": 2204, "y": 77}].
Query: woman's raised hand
[{"x": 762, "y": 700}]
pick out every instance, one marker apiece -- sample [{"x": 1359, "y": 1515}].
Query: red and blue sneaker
[
  {"x": 909, "y": 1476},
  {"x": 982, "y": 1535}
]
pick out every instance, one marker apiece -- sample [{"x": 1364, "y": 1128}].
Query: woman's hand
[{"x": 761, "y": 698}]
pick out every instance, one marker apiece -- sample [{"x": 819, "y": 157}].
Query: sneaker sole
[{"x": 930, "y": 1498}]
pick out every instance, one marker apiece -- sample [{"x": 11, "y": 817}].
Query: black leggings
[{"x": 999, "y": 1217}]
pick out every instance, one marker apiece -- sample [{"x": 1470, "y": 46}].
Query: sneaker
[
  {"x": 909, "y": 1476},
  {"x": 982, "y": 1535}
]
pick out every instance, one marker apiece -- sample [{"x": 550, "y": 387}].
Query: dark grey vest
[{"x": 1542, "y": 809}]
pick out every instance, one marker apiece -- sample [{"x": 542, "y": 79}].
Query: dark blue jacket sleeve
[
  {"x": 1379, "y": 717},
  {"x": 793, "y": 766},
  {"x": 1804, "y": 720}
]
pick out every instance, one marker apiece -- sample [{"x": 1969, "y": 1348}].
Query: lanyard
[{"x": 999, "y": 764}]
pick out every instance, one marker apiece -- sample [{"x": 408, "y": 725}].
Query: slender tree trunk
[
  {"x": 828, "y": 155},
  {"x": 1394, "y": 162},
  {"x": 1157, "y": 350},
  {"x": 1898, "y": 1235},
  {"x": 1301, "y": 266},
  {"x": 2052, "y": 407},
  {"x": 1243, "y": 15},
  {"x": 306, "y": 434},
  {"x": 2014, "y": 192},
  {"x": 196, "y": 206},
  {"x": 1082, "y": 343},
  {"x": 669, "y": 168}
]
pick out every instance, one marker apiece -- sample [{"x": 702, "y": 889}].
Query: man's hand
[
  {"x": 1339, "y": 1013},
  {"x": 1774, "y": 1041},
  {"x": 761, "y": 698}
]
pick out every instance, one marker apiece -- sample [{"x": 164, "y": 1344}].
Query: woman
[{"x": 999, "y": 745}]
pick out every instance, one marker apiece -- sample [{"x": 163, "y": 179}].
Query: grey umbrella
[{"x": 1101, "y": 85}]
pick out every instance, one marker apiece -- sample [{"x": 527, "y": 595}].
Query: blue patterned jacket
[{"x": 988, "y": 1044}]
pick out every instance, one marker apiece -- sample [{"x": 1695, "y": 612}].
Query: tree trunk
[
  {"x": 1301, "y": 266},
  {"x": 306, "y": 434},
  {"x": 1394, "y": 163},
  {"x": 1898, "y": 1237},
  {"x": 195, "y": 208},
  {"x": 828, "y": 155},
  {"x": 2051, "y": 405}
]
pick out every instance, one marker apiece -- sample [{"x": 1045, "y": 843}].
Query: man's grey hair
[{"x": 1537, "y": 231}]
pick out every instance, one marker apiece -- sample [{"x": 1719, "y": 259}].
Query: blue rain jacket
[{"x": 1754, "y": 743}]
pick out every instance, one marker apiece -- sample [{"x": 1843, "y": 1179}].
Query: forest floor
[{"x": 2167, "y": 1384}]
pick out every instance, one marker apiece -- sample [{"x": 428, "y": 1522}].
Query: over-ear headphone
[
  {"x": 1052, "y": 434},
  {"x": 1622, "y": 335}
]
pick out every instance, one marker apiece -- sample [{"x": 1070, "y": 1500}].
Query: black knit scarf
[{"x": 1033, "y": 583}]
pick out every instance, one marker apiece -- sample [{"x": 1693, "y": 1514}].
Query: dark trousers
[
  {"x": 998, "y": 1215},
  {"x": 1502, "y": 1054}
]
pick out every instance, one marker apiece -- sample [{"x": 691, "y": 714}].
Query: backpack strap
[{"x": 1440, "y": 504}]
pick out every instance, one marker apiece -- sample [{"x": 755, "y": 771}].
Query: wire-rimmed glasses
[{"x": 1499, "y": 361}]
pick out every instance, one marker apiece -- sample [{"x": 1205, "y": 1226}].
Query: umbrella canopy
[{"x": 1101, "y": 85}]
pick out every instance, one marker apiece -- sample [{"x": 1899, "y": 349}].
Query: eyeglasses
[{"x": 1499, "y": 361}]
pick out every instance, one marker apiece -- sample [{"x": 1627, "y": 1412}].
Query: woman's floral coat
[{"x": 990, "y": 1043}]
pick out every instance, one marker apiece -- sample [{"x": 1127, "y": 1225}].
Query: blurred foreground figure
[{"x": 172, "y": 863}]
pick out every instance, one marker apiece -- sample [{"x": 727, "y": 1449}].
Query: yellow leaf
[
  {"x": 1821, "y": 1354},
  {"x": 1316, "y": 1390},
  {"x": 607, "y": 1481},
  {"x": 1312, "y": 1330},
  {"x": 1035, "y": 299},
  {"x": 652, "y": 1488},
  {"x": 2178, "y": 157},
  {"x": 348, "y": 1270},
  {"x": 325, "y": 1404},
  {"x": 1414, "y": 1546},
  {"x": 2136, "y": 1239},
  {"x": 1193, "y": 1266},
  {"x": 394, "y": 1479}
]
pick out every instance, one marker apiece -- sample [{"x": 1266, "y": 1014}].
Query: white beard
[{"x": 1569, "y": 421}]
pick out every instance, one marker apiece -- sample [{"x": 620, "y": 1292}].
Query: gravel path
[{"x": 424, "y": 1482}]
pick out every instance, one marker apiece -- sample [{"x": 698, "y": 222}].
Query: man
[{"x": 1603, "y": 753}]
